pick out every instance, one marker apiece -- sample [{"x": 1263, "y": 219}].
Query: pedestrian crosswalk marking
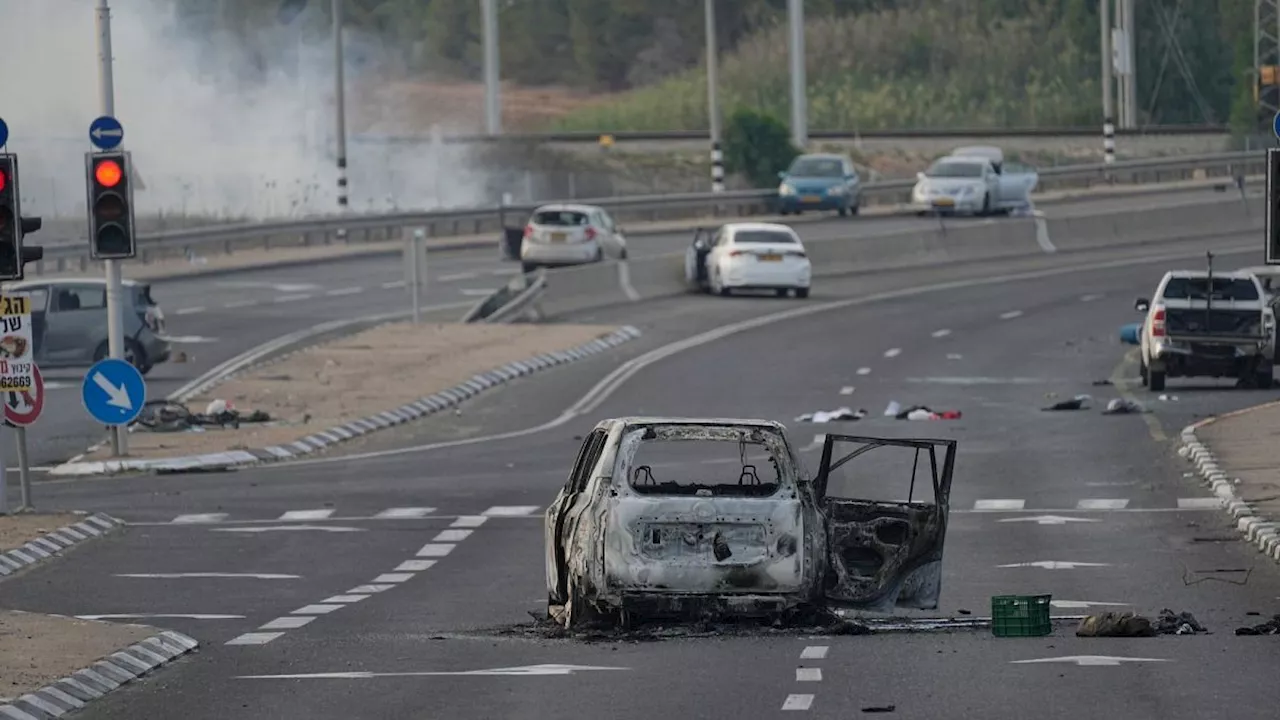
[
  {"x": 999, "y": 504},
  {"x": 511, "y": 510}
]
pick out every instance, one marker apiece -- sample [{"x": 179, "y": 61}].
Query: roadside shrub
[{"x": 757, "y": 146}]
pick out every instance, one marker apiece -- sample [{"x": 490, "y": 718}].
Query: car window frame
[{"x": 76, "y": 289}]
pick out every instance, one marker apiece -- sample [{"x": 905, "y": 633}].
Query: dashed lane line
[
  {"x": 423, "y": 513},
  {"x": 941, "y": 333},
  {"x": 345, "y": 291},
  {"x": 292, "y": 298},
  {"x": 458, "y": 276},
  {"x": 864, "y": 371},
  {"x": 188, "y": 311},
  {"x": 804, "y": 701},
  {"x": 1010, "y": 315},
  {"x": 893, "y": 352}
]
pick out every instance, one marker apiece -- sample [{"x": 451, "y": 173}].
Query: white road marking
[
  {"x": 288, "y": 623},
  {"x": 893, "y": 352},
  {"x": 345, "y": 291},
  {"x": 1088, "y": 660},
  {"x": 240, "y": 304},
  {"x": 458, "y": 276},
  {"x": 393, "y": 577},
  {"x": 954, "y": 356},
  {"x": 55, "y": 385},
  {"x": 1200, "y": 503},
  {"x": 1042, "y": 232},
  {"x": 435, "y": 550},
  {"x": 1089, "y": 298},
  {"x": 797, "y": 702},
  {"x": 306, "y": 514},
  {"x": 135, "y": 616},
  {"x": 548, "y": 669},
  {"x": 1054, "y": 565},
  {"x": 999, "y": 504},
  {"x": 1102, "y": 504},
  {"x": 292, "y": 298},
  {"x": 452, "y": 535},
  {"x": 414, "y": 566},
  {"x": 468, "y": 521},
  {"x": 1079, "y": 604},
  {"x": 814, "y": 652},
  {"x": 406, "y": 512},
  {"x": 510, "y": 510},
  {"x": 174, "y": 576},
  {"x": 1010, "y": 315},
  {"x": 1048, "y": 520},
  {"x": 278, "y": 287},
  {"x": 342, "y": 599},
  {"x": 391, "y": 285},
  {"x": 188, "y": 311},
  {"x": 199, "y": 518},
  {"x": 254, "y": 638},
  {"x": 184, "y": 340},
  {"x": 369, "y": 589},
  {"x": 846, "y": 390},
  {"x": 476, "y": 292},
  {"x": 809, "y": 674},
  {"x": 864, "y": 371},
  {"x": 288, "y": 528},
  {"x": 315, "y": 609},
  {"x": 941, "y": 333}
]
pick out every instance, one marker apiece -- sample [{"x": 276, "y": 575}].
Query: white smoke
[{"x": 216, "y": 128}]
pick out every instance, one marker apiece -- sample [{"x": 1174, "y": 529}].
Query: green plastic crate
[{"x": 1020, "y": 616}]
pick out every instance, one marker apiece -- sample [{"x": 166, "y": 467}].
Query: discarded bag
[
  {"x": 1112, "y": 624},
  {"x": 1120, "y": 406},
  {"x": 839, "y": 414}
]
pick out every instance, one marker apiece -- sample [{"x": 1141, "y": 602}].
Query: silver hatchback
[{"x": 69, "y": 323}]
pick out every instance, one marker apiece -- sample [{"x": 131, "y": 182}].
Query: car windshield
[
  {"x": 1197, "y": 288},
  {"x": 680, "y": 461},
  {"x": 953, "y": 169},
  {"x": 561, "y": 218},
  {"x": 816, "y": 167},
  {"x": 762, "y": 236}
]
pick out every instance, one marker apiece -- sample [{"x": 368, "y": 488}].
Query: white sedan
[
  {"x": 975, "y": 181},
  {"x": 748, "y": 256},
  {"x": 567, "y": 234}
]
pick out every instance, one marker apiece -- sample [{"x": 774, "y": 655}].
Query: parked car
[
  {"x": 1269, "y": 277},
  {"x": 975, "y": 181},
  {"x": 69, "y": 323},
  {"x": 820, "y": 181},
  {"x": 690, "y": 517},
  {"x": 1205, "y": 324},
  {"x": 748, "y": 256},
  {"x": 566, "y": 234}
]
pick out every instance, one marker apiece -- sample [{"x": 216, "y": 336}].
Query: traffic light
[
  {"x": 111, "y": 235},
  {"x": 13, "y": 256}
]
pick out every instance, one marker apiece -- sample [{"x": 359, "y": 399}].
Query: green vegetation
[{"x": 757, "y": 146}]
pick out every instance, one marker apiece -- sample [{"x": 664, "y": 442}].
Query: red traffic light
[
  {"x": 108, "y": 173},
  {"x": 4, "y": 179}
]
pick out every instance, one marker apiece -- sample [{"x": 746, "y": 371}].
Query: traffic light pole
[{"x": 115, "y": 329}]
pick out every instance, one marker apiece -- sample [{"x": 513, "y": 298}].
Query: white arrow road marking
[
  {"x": 171, "y": 576},
  {"x": 1080, "y": 604},
  {"x": 1092, "y": 660},
  {"x": 527, "y": 670},
  {"x": 1049, "y": 520},
  {"x": 127, "y": 616},
  {"x": 117, "y": 396},
  {"x": 1055, "y": 565},
  {"x": 321, "y": 528}
]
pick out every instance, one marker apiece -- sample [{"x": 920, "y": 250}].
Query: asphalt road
[
  {"x": 219, "y": 317},
  {"x": 423, "y": 600}
]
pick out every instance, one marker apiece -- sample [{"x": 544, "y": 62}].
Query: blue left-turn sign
[
  {"x": 4, "y": 133},
  {"x": 1275, "y": 125},
  {"x": 106, "y": 133},
  {"x": 113, "y": 392}
]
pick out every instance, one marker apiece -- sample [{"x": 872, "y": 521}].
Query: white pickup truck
[{"x": 1206, "y": 324}]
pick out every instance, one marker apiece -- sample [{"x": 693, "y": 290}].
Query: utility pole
[
  {"x": 115, "y": 324},
  {"x": 340, "y": 102},
  {"x": 713, "y": 100},
  {"x": 799, "y": 109},
  {"x": 492, "y": 98},
  {"x": 1108, "y": 97},
  {"x": 1131, "y": 70}
]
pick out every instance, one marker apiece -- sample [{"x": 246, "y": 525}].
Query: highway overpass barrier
[
  {"x": 589, "y": 287},
  {"x": 367, "y": 228}
]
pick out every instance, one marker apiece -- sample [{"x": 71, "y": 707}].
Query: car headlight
[
  {"x": 786, "y": 189},
  {"x": 836, "y": 190}
]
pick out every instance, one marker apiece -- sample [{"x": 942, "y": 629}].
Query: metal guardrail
[
  {"x": 510, "y": 301},
  {"x": 358, "y": 228},
  {"x": 913, "y": 134}
]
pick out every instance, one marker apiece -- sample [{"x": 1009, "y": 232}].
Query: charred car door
[
  {"x": 562, "y": 515},
  {"x": 884, "y": 553}
]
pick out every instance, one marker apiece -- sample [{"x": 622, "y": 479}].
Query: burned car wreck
[{"x": 688, "y": 519}]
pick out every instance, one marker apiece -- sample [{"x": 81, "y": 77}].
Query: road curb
[
  {"x": 52, "y": 544},
  {"x": 324, "y": 439},
  {"x": 88, "y": 684},
  {"x": 1255, "y": 528}
]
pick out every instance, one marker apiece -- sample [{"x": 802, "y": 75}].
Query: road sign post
[
  {"x": 113, "y": 392},
  {"x": 20, "y": 410},
  {"x": 1272, "y": 247},
  {"x": 416, "y": 269},
  {"x": 16, "y": 367}
]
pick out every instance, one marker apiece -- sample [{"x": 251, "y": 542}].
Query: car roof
[
  {"x": 570, "y": 207},
  {"x": 776, "y": 227},
  {"x": 822, "y": 156},
  {"x": 640, "y": 420},
  {"x": 1233, "y": 274}
]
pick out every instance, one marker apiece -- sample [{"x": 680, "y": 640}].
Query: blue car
[{"x": 820, "y": 182}]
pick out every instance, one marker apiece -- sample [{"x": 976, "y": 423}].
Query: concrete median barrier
[{"x": 954, "y": 241}]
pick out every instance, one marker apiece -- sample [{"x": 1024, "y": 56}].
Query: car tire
[
  {"x": 133, "y": 353},
  {"x": 599, "y": 254},
  {"x": 986, "y": 205},
  {"x": 802, "y": 292},
  {"x": 1265, "y": 378},
  {"x": 1155, "y": 380},
  {"x": 1143, "y": 373}
]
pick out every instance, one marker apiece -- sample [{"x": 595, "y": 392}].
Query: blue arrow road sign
[
  {"x": 4, "y": 133},
  {"x": 106, "y": 133},
  {"x": 1275, "y": 125},
  {"x": 113, "y": 392}
]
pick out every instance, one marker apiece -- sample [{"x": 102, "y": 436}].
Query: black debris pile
[
  {"x": 1113, "y": 624},
  {"x": 1079, "y": 402},
  {"x": 1270, "y": 627},
  {"x": 172, "y": 416},
  {"x": 805, "y": 621},
  {"x": 1184, "y": 623},
  {"x": 841, "y": 414}
]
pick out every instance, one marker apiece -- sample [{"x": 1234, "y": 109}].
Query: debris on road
[
  {"x": 1270, "y": 627},
  {"x": 838, "y": 415},
  {"x": 1171, "y": 623},
  {"x": 919, "y": 412},
  {"x": 1121, "y": 406},
  {"x": 1079, "y": 402},
  {"x": 1114, "y": 624},
  {"x": 880, "y": 709},
  {"x": 806, "y": 621},
  {"x": 171, "y": 416}
]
